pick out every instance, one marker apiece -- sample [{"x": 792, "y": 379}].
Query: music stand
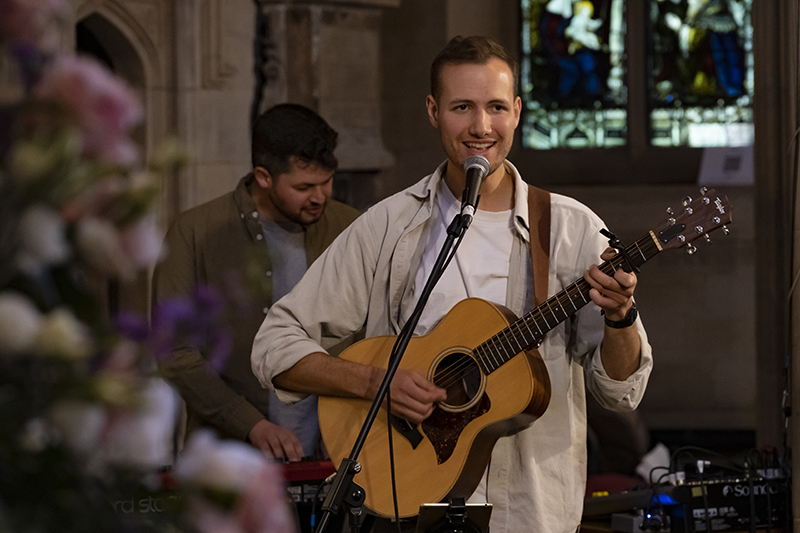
[{"x": 454, "y": 517}]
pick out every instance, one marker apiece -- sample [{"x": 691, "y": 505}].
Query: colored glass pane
[
  {"x": 572, "y": 73},
  {"x": 700, "y": 72}
]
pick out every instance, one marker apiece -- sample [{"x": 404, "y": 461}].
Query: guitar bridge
[{"x": 409, "y": 431}]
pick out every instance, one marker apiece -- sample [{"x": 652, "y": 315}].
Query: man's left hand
[{"x": 612, "y": 294}]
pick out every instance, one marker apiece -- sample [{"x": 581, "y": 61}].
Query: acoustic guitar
[{"x": 496, "y": 381}]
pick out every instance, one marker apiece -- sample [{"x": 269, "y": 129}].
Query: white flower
[
  {"x": 32, "y": 162},
  {"x": 37, "y": 435},
  {"x": 99, "y": 246},
  {"x": 80, "y": 423},
  {"x": 144, "y": 438},
  {"x": 224, "y": 464},
  {"x": 42, "y": 239},
  {"x": 20, "y": 321},
  {"x": 62, "y": 335},
  {"x": 142, "y": 242}
]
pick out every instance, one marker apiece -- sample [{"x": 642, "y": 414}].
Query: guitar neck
[{"x": 530, "y": 330}]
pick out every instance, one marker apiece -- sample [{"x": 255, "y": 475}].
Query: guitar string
[{"x": 465, "y": 369}]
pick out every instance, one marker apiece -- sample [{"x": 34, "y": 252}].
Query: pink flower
[
  {"x": 262, "y": 505},
  {"x": 263, "y": 508},
  {"x": 27, "y": 21},
  {"x": 103, "y": 107}
]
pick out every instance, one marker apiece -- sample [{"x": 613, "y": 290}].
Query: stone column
[{"x": 325, "y": 54}]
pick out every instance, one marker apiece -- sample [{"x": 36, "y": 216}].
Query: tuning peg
[
  {"x": 669, "y": 211},
  {"x": 707, "y": 238},
  {"x": 725, "y": 230},
  {"x": 703, "y": 190},
  {"x": 687, "y": 201},
  {"x": 690, "y": 249}
]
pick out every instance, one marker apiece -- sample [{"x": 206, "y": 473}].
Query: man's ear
[
  {"x": 433, "y": 110},
  {"x": 263, "y": 177}
]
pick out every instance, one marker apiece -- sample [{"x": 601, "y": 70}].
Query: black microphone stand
[{"x": 343, "y": 488}]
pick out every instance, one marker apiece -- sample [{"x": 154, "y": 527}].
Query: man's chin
[{"x": 310, "y": 218}]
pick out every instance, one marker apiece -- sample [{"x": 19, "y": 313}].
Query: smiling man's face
[{"x": 476, "y": 111}]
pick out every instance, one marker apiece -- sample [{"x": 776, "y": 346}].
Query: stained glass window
[
  {"x": 701, "y": 72},
  {"x": 572, "y": 73}
]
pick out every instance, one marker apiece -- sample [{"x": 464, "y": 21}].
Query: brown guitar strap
[{"x": 539, "y": 221}]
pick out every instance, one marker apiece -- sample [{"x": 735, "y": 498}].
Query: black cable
[
  {"x": 720, "y": 461},
  {"x": 313, "y": 517},
  {"x": 647, "y": 521}
]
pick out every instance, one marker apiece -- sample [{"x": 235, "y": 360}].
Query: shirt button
[
  {"x": 259, "y": 237},
  {"x": 255, "y": 214},
  {"x": 241, "y": 215},
  {"x": 269, "y": 273},
  {"x": 266, "y": 310}
]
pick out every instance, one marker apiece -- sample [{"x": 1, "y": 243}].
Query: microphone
[{"x": 475, "y": 167}]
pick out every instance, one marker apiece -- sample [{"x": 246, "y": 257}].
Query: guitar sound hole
[{"x": 460, "y": 376}]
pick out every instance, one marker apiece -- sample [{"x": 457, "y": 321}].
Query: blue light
[{"x": 664, "y": 499}]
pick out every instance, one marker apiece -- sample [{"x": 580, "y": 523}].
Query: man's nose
[
  {"x": 481, "y": 123},
  {"x": 320, "y": 193}
]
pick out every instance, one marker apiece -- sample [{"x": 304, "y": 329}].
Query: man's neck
[{"x": 497, "y": 189}]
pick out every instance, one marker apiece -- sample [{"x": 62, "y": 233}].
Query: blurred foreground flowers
[{"x": 85, "y": 428}]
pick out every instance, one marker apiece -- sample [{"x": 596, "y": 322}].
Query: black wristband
[{"x": 628, "y": 321}]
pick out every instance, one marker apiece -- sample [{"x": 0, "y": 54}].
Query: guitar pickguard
[{"x": 443, "y": 428}]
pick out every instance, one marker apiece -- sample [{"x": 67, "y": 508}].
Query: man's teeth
[{"x": 479, "y": 145}]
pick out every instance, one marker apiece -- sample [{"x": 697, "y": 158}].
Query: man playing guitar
[{"x": 373, "y": 273}]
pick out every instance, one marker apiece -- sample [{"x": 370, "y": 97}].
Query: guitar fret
[
  {"x": 536, "y": 323},
  {"x": 494, "y": 355},
  {"x": 480, "y": 356},
  {"x": 549, "y": 327},
  {"x": 533, "y": 337},
  {"x": 507, "y": 356},
  {"x": 575, "y": 307},
  {"x": 555, "y": 317},
  {"x": 519, "y": 344},
  {"x": 560, "y": 307},
  {"x": 639, "y": 249}
]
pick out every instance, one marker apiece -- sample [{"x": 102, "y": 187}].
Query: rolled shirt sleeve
[{"x": 329, "y": 304}]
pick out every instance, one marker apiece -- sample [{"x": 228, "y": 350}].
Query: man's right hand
[
  {"x": 413, "y": 396},
  {"x": 279, "y": 442}
]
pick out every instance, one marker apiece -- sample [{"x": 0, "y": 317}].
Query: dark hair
[
  {"x": 288, "y": 131},
  {"x": 475, "y": 49}
]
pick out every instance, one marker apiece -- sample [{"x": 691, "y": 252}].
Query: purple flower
[
  {"x": 133, "y": 326},
  {"x": 193, "y": 322}
]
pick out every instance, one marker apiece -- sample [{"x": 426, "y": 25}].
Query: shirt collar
[{"x": 426, "y": 189}]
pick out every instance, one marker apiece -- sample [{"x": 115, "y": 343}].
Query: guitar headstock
[{"x": 697, "y": 219}]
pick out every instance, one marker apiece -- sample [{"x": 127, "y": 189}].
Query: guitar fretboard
[{"x": 531, "y": 328}]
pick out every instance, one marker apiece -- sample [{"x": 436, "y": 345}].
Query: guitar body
[{"x": 447, "y": 454}]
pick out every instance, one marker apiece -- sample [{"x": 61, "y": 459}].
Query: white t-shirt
[{"x": 480, "y": 267}]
